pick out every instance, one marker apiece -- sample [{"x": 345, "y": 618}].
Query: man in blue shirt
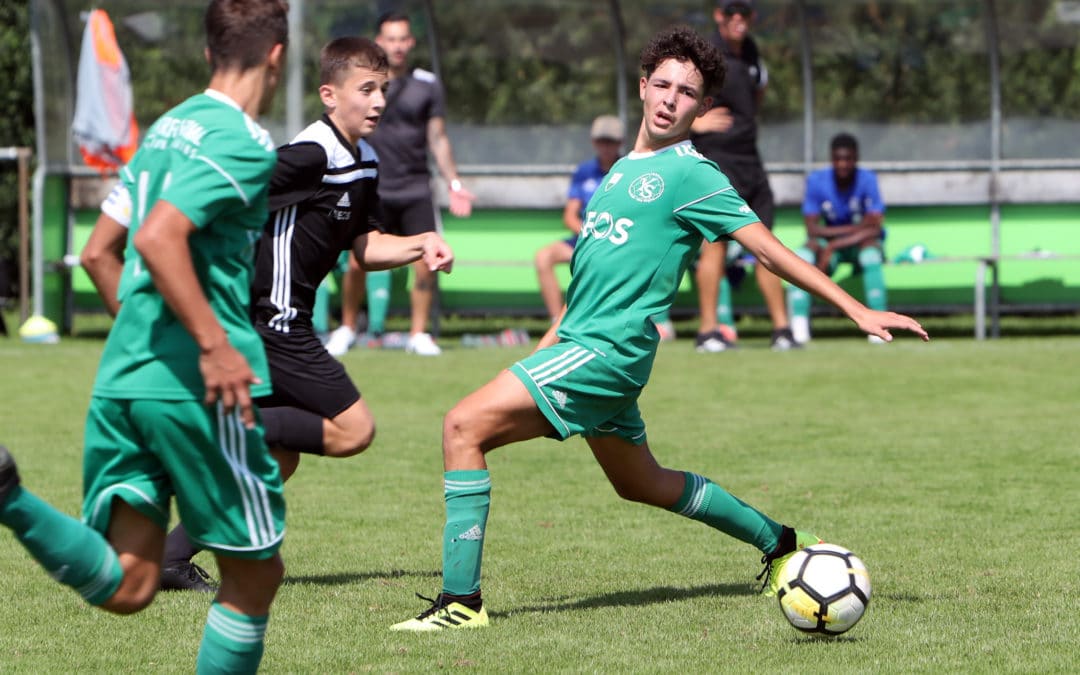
[
  {"x": 607, "y": 137},
  {"x": 843, "y": 212}
]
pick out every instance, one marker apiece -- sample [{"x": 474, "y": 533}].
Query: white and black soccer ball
[{"x": 824, "y": 589}]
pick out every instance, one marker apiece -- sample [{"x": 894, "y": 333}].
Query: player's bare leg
[
  {"x": 710, "y": 268},
  {"x": 500, "y": 412},
  {"x": 421, "y": 297},
  {"x": 545, "y": 260}
]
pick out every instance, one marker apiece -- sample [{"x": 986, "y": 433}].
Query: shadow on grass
[
  {"x": 344, "y": 578},
  {"x": 648, "y": 596}
]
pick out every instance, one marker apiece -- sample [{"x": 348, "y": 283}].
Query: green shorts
[
  {"x": 227, "y": 485},
  {"x": 580, "y": 391}
]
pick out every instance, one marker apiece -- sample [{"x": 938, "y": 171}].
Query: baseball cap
[{"x": 607, "y": 127}]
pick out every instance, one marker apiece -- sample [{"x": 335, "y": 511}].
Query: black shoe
[
  {"x": 9, "y": 475},
  {"x": 783, "y": 340},
  {"x": 186, "y": 577},
  {"x": 711, "y": 342}
]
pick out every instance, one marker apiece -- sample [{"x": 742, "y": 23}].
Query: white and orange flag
[{"x": 104, "y": 125}]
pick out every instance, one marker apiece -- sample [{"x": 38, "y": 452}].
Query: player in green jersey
[
  {"x": 642, "y": 228},
  {"x": 171, "y": 411}
]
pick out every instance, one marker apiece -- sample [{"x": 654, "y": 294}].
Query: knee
[
  {"x": 137, "y": 588},
  {"x": 351, "y": 441},
  {"x": 870, "y": 256},
  {"x": 456, "y": 437}
]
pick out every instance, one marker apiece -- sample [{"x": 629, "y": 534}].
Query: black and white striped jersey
[{"x": 323, "y": 195}]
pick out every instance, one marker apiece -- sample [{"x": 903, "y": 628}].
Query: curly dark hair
[{"x": 682, "y": 43}]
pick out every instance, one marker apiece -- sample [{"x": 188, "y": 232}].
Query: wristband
[{"x": 455, "y": 185}]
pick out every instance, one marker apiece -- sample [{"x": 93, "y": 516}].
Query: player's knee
[
  {"x": 455, "y": 431},
  {"x": 870, "y": 256},
  {"x": 351, "y": 441},
  {"x": 137, "y": 589}
]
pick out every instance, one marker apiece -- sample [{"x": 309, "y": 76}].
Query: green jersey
[
  {"x": 210, "y": 160},
  {"x": 642, "y": 228}
]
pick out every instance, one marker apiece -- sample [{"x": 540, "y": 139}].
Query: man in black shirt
[
  {"x": 727, "y": 134},
  {"x": 414, "y": 124}
]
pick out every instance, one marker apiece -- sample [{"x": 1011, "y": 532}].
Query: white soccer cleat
[
  {"x": 341, "y": 341},
  {"x": 421, "y": 344}
]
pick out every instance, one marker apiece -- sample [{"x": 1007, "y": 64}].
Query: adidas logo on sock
[{"x": 474, "y": 533}]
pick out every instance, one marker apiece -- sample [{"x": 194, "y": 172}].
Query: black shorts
[
  {"x": 406, "y": 218},
  {"x": 748, "y": 177},
  {"x": 304, "y": 375}
]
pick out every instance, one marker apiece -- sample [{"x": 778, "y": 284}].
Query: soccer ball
[{"x": 824, "y": 589}]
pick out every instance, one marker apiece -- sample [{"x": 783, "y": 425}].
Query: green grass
[{"x": 950, "y": 468}]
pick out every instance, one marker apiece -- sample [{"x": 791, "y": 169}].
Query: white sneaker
[
  {"x": 875, "y": 340},
  {"x": 341, "y": 341},
  {"x": 800, "y": 329},
  {"x": 422, "y": 345}
]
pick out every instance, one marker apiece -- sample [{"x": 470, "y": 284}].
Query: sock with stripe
[
  {"x": 232, "y": 642},
  {"x": 704, "y": 501},
  {"x": 71, "y": 552},
  {"x": 378, "y": 300},
  {"x": 468, "y": 498}
]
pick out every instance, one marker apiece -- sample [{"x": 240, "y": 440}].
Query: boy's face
[
  {"x": 843, "y": 162},
  {"x": 356, "y": 103},
  {"x": 672, "y": 98}
]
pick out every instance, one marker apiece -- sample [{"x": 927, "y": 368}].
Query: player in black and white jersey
[{"x": 323, "y": 200}]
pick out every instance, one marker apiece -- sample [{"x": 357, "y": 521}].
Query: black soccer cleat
[
  {"x": 9, "y": 474},
  {"x": 186, "y": 576},
  {"x": 783, "y": 340}
]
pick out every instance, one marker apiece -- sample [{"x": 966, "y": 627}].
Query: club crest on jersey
[{"x": 647, "y": 187}]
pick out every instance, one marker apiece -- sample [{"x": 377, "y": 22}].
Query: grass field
[{"x": 950, "y": 468}]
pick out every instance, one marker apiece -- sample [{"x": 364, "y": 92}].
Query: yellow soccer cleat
[
  {"x": 444, "y": 614},
  {"x": 790, "y": 541}
]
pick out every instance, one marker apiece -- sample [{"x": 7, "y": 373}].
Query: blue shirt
[
  {"x": 834, "y": 207},
  {"x": 587, "y": 177}
]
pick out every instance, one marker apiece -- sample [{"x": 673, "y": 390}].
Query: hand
[
  {"x": 228, "y": 377},
  {"x": 437, "y": 254},
  {"x": 461, "y": 202},
  {"x": 873, "y": 322},
  {"x": 717, "y": 120},
  {"x": 824, "y": 257}
]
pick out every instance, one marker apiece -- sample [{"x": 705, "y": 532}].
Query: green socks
[
  {"x": 870, "y": 260},
  {"x": 378, "y": 301},
  {"x": 232, "y": 642},
  {"x": 74, "y": 554},
  {"x": 468, "y": 498},
  {"x": 704, "y": 501},
  {"x": 724, "y": 315}
]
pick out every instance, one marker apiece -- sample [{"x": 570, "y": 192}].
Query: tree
[{"x": 16, "y": 118}]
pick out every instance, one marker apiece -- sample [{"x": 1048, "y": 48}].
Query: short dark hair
[
  {"x": 682, "y": 43},
  {"x": 844, "y": 141},
  {"x": 390, "y": 17},
  {"x": 240, "y": 33},
  {"x": 339, "y": 55}
]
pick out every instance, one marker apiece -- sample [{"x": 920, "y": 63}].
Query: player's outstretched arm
[
  {"x": 380, "y": 251},
  {"x": 162, "y": 244},
  {"x": 783, "y": 262}
]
